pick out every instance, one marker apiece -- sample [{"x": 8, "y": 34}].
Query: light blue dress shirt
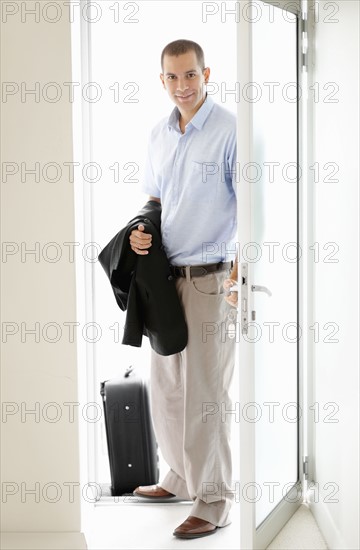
[{"x": 194, "y": 176}]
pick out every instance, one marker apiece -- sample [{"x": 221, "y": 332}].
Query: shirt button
[{"x": 170, "y": 277}]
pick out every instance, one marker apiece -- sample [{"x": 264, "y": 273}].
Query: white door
[{"x": 269, "y": 113}]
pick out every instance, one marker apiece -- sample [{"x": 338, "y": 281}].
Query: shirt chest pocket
[{"x": 207, "y": 180}]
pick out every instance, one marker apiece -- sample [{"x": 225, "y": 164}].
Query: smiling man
[
  {"x": 185, "y": 86},
  {"x": 190, "y": 170}
]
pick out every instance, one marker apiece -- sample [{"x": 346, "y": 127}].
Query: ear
[
  {"x": 162, "y": 80},
  {"x": 206, "y": 74}
]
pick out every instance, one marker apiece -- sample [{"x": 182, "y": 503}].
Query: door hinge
[
  {"x": 303, "y": 24},
  {"x": 304, "y": 43},
  {"x": 304, "y": 61},
  {"x": 306, "y": 467}
]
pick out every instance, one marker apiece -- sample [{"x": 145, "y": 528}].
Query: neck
[{"x": 186, "y": 116}]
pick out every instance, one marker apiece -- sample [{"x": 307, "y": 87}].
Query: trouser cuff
[
  {"x": 217, "y": 513},
  {"x": 173, "y": 483}
]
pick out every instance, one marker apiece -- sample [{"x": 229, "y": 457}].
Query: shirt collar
[{"x": 197, "y": 120}]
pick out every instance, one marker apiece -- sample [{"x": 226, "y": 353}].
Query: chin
[{"x": 187, "y": 106}]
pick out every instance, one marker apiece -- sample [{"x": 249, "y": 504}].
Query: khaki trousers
[{"x": 189, "y": 397}]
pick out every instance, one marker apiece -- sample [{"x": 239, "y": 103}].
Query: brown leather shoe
[
  {"x": 194, "y": 527},
  {"x": 152, "y": 491}
]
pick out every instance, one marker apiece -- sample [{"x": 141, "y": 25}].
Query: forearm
[{"x": 151, "y": 198}]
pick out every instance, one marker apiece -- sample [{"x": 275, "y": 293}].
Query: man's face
[{"x": 184, "y": 81}]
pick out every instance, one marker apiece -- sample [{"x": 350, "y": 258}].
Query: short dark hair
[{"x": 179, "y": 47}]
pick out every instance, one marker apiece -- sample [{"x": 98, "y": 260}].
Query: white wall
[
  {"x": 35, "y": 450},
  {"x": 336, "y": 377}
]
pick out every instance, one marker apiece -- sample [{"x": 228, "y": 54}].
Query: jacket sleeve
[{"x": 119, "y": 261}]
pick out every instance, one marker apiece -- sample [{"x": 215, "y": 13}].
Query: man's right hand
[{"x": 140, "y": 241}]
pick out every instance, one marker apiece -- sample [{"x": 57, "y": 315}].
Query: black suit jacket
[{"x": 144, "y": 286}]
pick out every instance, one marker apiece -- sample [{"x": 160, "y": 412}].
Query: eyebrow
[{"x": 174, "y": 74}]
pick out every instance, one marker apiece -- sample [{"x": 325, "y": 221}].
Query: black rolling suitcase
[{"x": 130, "y": 436}]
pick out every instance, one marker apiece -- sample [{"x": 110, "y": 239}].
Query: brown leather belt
[{"x": 200, "y": 270}]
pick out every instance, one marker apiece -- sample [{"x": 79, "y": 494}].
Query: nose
[{"x": 182, "y": 86}]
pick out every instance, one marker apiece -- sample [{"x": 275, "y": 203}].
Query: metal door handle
[{"x": 259, "y": 288}]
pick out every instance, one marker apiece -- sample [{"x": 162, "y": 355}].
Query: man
[{"x": 191, "y": 171}]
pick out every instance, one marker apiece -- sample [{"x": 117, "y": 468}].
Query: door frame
[{"x": 252, "y": 538}]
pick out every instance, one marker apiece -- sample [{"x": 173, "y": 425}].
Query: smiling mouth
[{"x": 184, "y": 96}]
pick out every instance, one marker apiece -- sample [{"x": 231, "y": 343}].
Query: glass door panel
[{"x": 274, "y": 256}]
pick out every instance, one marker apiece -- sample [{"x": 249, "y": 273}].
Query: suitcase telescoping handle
[{"x": 129, "y": 370}]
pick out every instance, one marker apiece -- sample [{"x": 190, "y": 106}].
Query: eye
[
  {"x": 171, "y": 77},
  {"x": 192, "y": 75}
]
